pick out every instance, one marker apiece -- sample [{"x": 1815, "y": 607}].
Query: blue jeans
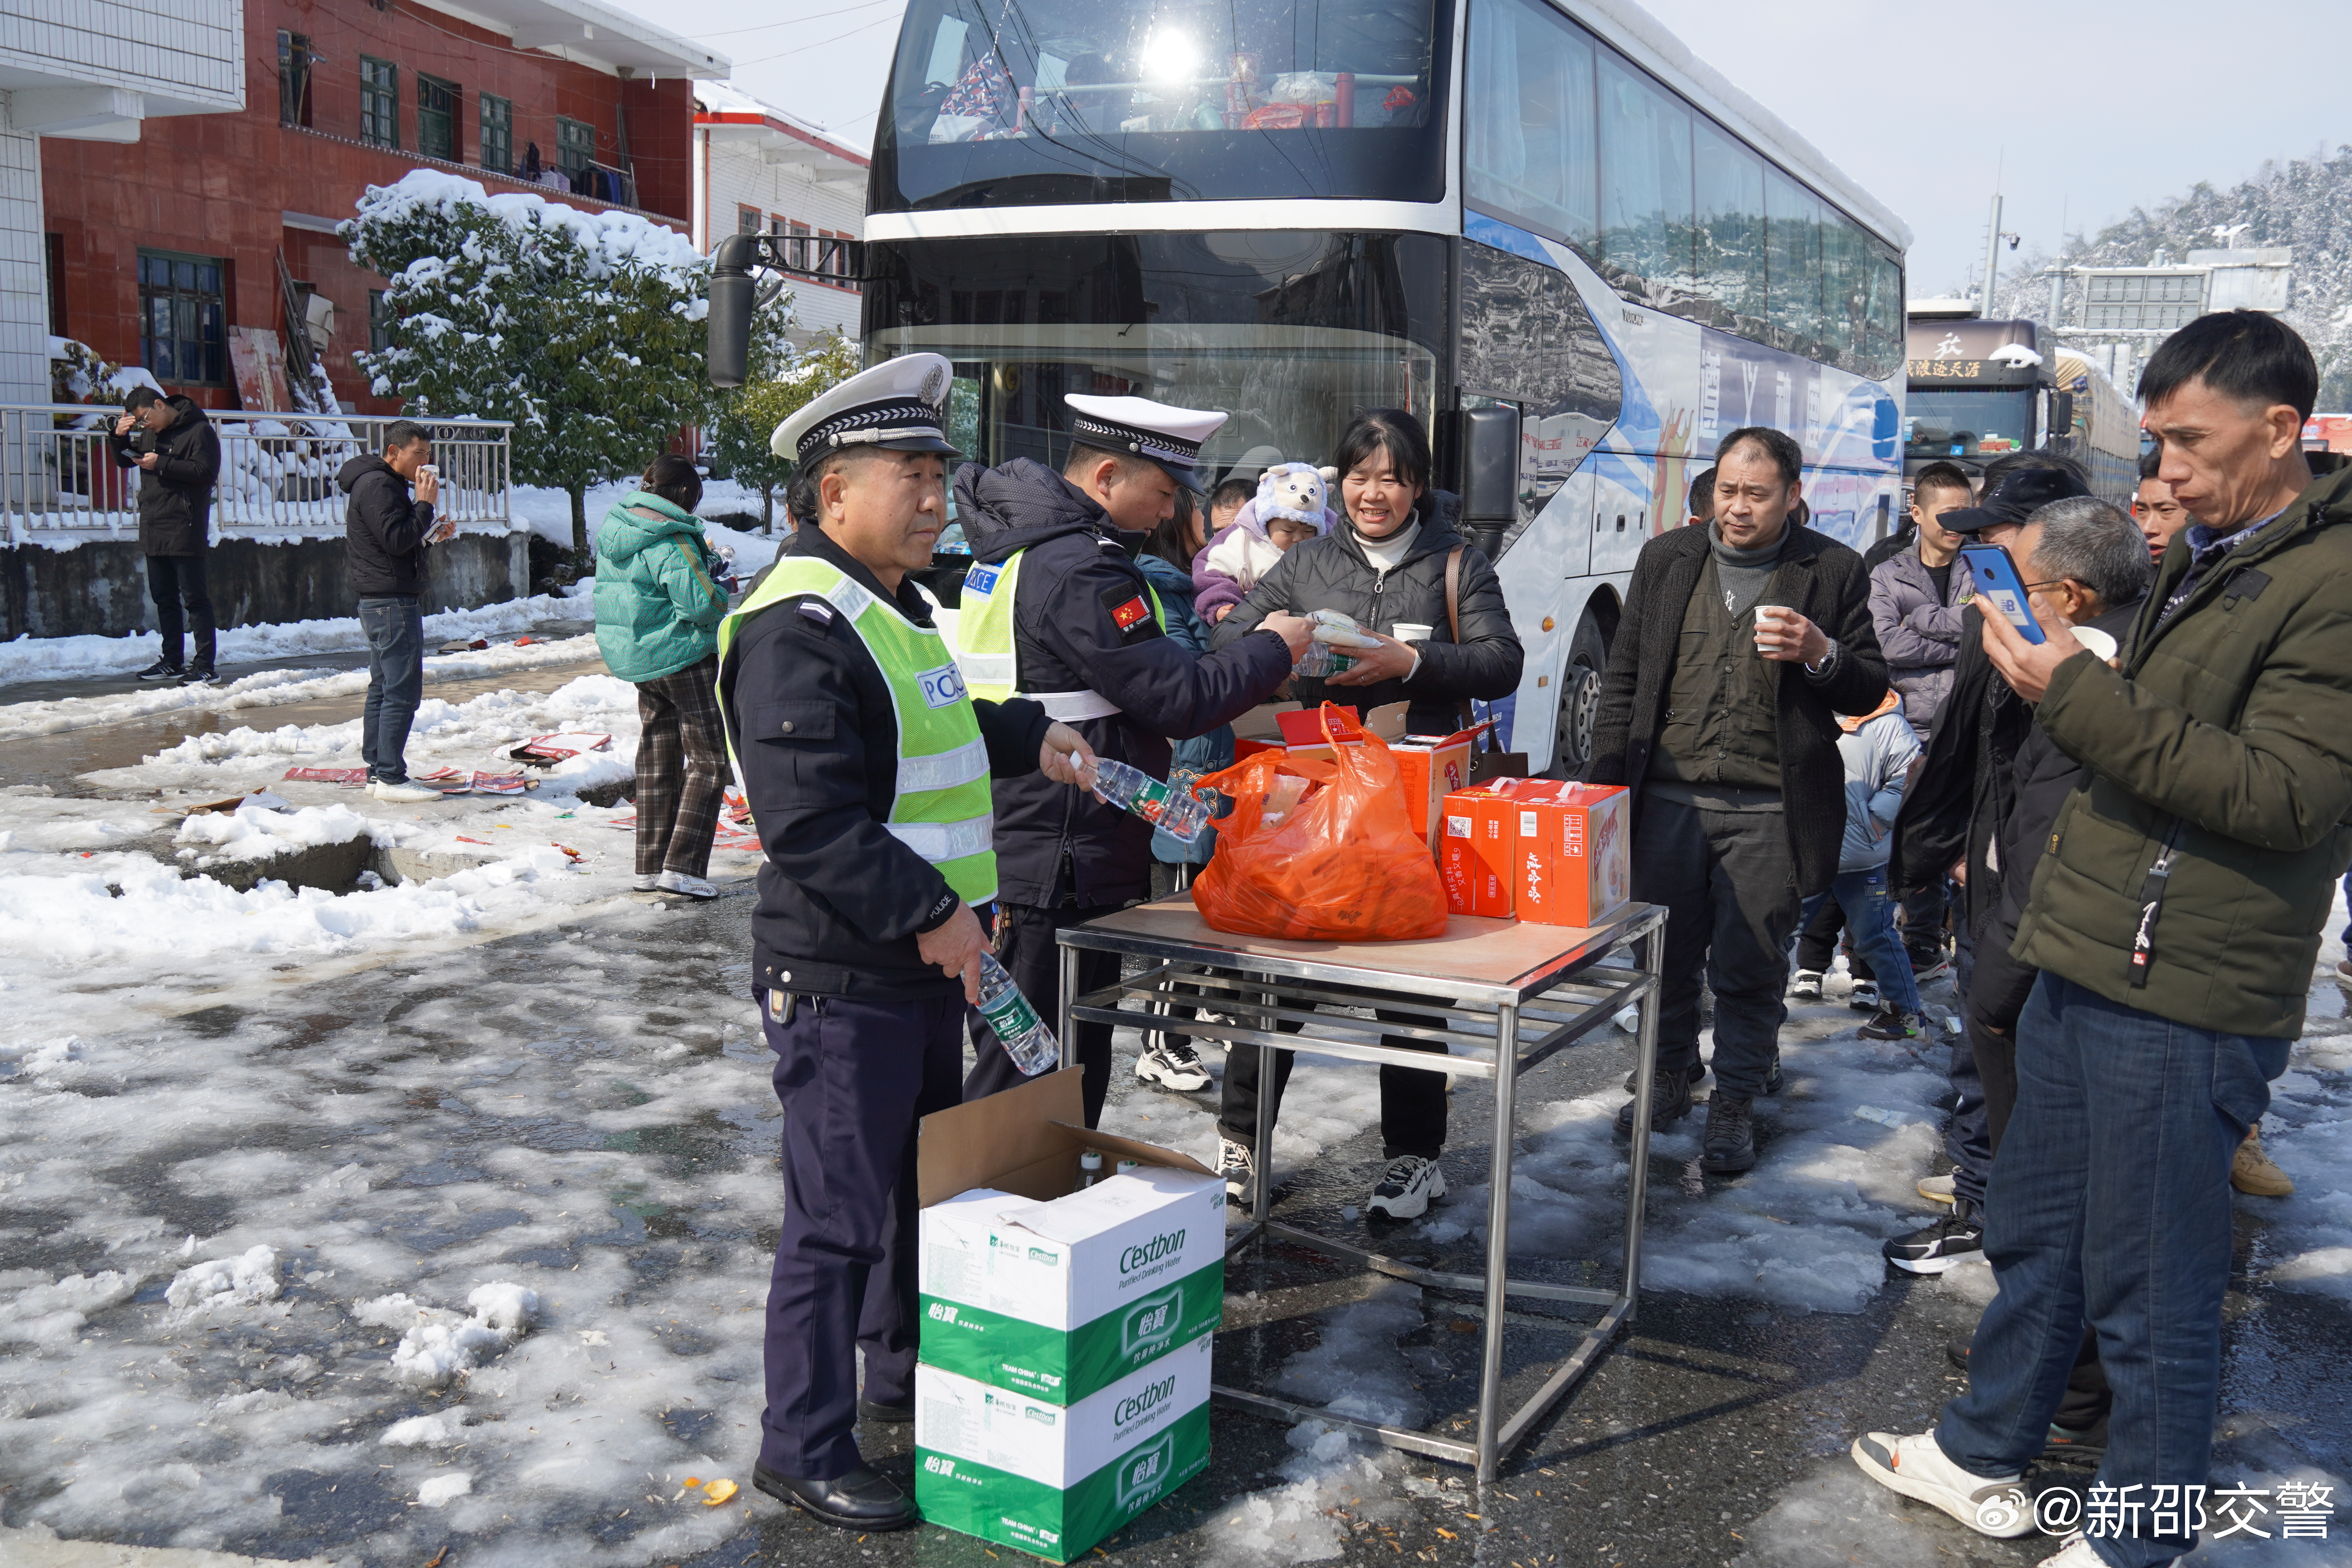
[
  {"x": 2110, "y": 1204},
  {"x": 1870, "y": 916},
  {"x": 394, "y": 629}
]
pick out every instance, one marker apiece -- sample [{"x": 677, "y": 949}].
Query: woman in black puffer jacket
[{"x": 1386, "y": 566}]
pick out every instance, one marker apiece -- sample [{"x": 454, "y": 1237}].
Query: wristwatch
[{"x": 1828, "y": 660}]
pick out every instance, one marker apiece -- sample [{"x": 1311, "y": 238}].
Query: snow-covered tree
[
  {"x": 585, "y": 329},
  {"x": 780, "y": 384}
]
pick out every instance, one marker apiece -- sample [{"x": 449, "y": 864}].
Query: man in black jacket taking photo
[
  {"x": 384, "y": 537},
  {"x": 1739, "y": 645},
  {"x": 173, "y": 446}
]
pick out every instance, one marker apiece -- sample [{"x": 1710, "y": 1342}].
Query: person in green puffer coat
[{"x": 660, "y": 594}]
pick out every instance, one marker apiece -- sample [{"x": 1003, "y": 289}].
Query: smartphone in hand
[{"x": 2002, "y": 587}]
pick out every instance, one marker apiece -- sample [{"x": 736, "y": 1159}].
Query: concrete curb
[{"x": 37, "y": 1546}]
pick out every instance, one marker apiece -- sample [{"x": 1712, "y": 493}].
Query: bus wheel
[{"x": 1579, "y": 699}]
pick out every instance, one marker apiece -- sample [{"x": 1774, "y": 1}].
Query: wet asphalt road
[{"x": 1702, "y": 1419}]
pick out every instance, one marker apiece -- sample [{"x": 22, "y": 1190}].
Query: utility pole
[{"x": 1992, "y": 257}]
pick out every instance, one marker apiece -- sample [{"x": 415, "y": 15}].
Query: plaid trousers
[{"x": 681, "y": 770}]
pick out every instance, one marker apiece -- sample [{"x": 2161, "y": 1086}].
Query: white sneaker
[
  {"x": 1407, "y": 1189},
  {"x": 1995, "y": 1506},
  {"x": 1239, "y": 1168},
  {"x": 1806, "y": 986},
  {"x": 2075, "y": 1553},
  {"x": 649, "y": 882},
  {"x": 1171, "y": 1065},
  {"x": 402, "y": 793},
  {"x": 1938, "y": 1189},
  {"x": 680, "y": 883}
]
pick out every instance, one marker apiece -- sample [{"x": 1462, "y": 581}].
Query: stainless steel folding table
[{"x": 1514, "y": 994}]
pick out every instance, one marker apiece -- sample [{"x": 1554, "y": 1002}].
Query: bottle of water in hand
[
  {"x": 1023, "y": 1033},
  {"x": 1173, "y": 811}
]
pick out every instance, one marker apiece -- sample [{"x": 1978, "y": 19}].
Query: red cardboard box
[
  {"x": 1572, "y": 854},
  {"x": 1477, "y": 858}
]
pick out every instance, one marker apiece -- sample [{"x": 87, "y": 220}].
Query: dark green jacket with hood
[{"x": 2227, "y": 733}]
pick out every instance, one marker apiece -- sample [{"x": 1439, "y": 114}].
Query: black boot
[{"x": 1670, "y": 1102}]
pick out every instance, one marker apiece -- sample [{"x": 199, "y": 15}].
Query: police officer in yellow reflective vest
[
  {"x": 1054, "y": 608},
  {"x": 868, "y": 769}
]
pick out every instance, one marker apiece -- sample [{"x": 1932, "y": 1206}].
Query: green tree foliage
[{"x": 584, "y": 329}]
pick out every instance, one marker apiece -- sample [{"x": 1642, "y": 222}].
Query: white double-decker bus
[{"x": 1577, "y": 252}]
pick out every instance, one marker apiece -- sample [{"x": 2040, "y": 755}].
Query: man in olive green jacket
[{"x": 2174, "y": 916}]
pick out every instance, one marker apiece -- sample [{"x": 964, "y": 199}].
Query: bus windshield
[
  {"x": 1291, "y": 334},
  {"x": 1977, "y": 422},
  {"x": 1023, "y": 101}
]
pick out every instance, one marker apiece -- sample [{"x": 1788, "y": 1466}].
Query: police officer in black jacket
[
  {"x": 1056, "y": 608},
  {"x": 867, "y": 770}
]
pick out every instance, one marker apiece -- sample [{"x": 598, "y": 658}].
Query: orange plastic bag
[{"x": 1342, "y": 865}]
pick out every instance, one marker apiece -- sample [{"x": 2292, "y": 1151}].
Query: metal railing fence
[{"x": 277, "y": 474}]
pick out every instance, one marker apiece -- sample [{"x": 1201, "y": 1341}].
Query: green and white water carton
[
  {"x": 1061, "y": 1299},
  {"x": 1053, "y": 1479}
]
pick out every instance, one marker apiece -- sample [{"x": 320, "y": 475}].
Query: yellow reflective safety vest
[
  {"x": 942, "y": 807},
  {"x": 985, "y": 628}
]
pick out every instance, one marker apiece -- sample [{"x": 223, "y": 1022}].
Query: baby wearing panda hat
[{"x": 1291, "y": 507}]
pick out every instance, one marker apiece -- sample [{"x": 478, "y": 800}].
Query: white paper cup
[
  {"x": 2098, "y": 641},
  {"x": 1411, "y": 631}
]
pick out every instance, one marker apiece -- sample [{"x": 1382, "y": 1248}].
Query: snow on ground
[
  {"x": 275, "y": 688},
  {"x": 63, "y": 658}
]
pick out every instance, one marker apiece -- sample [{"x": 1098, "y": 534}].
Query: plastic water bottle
[
  {"x": 1023, "y": 1033},
  {"x": 1335, "y": 633},
  {"x": 1128, "y": 1167},
  {"x": 1174, "y": 811},
  {"x": 1090, "y": 1169}
]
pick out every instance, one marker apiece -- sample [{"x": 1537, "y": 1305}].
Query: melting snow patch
[
  {"x": 226, "y": 1284},
  {"x": 445, "y": 1487},
  {"x": 439, "y": 1345},
  {"x": 53, "y": 1314},
  {"x": 254, "y": 832},
  {"x": 438, "y": 1430}
]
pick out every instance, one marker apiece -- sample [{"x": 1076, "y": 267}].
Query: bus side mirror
[
  {"x": 1490, "y": 465},
  {"x": 729, "y": 355}
]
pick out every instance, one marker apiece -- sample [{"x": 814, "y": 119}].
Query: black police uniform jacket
[
  {"x": 1076, "y": 628},
  {"x": 841, "y": 900}
]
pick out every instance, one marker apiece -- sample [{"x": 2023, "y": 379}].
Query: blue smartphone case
[{"x": 1999, "y": 584}]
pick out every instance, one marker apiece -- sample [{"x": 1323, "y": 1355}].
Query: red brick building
[{"x": 166, "y": 247}]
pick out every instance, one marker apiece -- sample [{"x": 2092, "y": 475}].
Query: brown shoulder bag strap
[{"x": 1454, "y": 621}]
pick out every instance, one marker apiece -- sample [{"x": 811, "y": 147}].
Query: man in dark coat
[
  {"x": 1740, "y": 644},
  {"x": 177, "y": 452},
  {"x": 384, "y": 538},
  {"x": 1085, "y": 641}
]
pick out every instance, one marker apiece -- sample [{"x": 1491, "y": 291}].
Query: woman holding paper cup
[{"x": 1436, "y": 635}]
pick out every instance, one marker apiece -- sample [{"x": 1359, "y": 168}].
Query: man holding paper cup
[
  {"x": 385, "y": 532},
  {"x": 1740, "y": 644}
]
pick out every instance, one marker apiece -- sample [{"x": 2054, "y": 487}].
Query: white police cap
[
  {"x": 898, "y": 406},
  {"x": 1169, "y": 437}
]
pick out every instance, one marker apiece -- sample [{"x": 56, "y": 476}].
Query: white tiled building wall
[
  {"x": 24, "y": 294},
  {"x": 181, "y": 56},
  {"x": 191, "y": 52},
  {"x": 785, "y": 194}
]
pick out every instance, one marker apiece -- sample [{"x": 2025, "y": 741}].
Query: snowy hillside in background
[{"x": 2305, "y": 202}]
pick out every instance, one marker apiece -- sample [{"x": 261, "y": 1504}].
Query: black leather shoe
[
  {"x": 864, "y": 1499},
  {"x": 888, "y": 1414}
]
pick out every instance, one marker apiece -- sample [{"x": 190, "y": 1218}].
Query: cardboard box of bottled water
[
  {"x": 1035, "y": 1286},
  {"x": 1053, "y": 1479},
  {"x": 1061, "y": 1299}
]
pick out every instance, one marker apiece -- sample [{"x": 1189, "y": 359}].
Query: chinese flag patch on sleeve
[{"x": 1133, "y": 613}]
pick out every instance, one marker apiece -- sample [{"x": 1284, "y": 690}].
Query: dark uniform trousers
[
  {"x": 1025, "y": 946},
  {"x": 854, "y": 1077},
  {"x": 1412, "y": 1102}
]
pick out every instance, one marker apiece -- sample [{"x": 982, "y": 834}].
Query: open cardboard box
[{"x": 1025, "y": 1140}]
